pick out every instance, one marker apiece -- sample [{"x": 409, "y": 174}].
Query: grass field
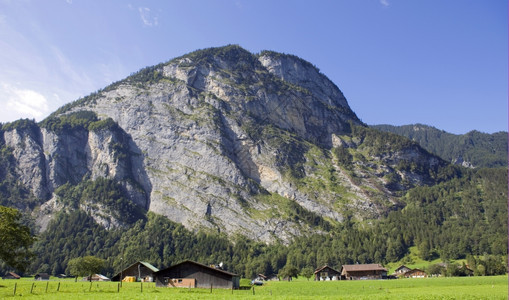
[{"x": 495, "y": 287}]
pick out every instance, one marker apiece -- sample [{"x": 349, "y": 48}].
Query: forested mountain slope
[{"x": 473, "y": 149}]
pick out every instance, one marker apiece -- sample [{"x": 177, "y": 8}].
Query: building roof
[
  {"x": 326, "y": 266},
  {"x": 100, "y": 276},
  {"x": 363, "y": 267},
  {"x": 401, "y": 268},
  {"x": 146, "y": 264},
  {"x": 151, "y": 267},
  {"x": 201, "y": 265},
  {"x": 12, "y": 274}
]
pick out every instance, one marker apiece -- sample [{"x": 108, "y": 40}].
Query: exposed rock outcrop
[{"x": 220, "y": 139}]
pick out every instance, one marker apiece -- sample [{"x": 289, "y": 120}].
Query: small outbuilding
[
  {"x": 327, "y": 273},
  {"x": 41, "y": 276},
  {"x": 97, "y": 277},
  {"x": 192, "y": 274},
  {"x": 11, "y": 275},
  {"x": 142, "y": 271},
  {"x": 364, "y": 271}
]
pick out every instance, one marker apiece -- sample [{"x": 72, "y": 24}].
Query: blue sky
[{"x": 439, "y": 62}]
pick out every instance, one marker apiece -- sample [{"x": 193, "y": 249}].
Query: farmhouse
[
  {"x": 363, "y": 271},
  {"x": 192, "y": 274},
  {"x": 401, "y": 270},
  {"x": 142, "y": 271},
  {"x": 327, "y": 273},
  {"x": 11, "y": 275},
  {"x": 415, "y": 273}
]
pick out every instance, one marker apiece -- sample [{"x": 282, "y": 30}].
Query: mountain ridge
[{"x": 472, "y": 149}]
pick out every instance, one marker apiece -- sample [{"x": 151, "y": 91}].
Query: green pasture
[{"x": 495, "y": 287}]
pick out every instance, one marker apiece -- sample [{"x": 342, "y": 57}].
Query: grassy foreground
[{"x": 495, "y": 287}]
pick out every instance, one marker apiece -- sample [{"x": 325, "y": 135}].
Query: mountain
[
  {"x": 261, "y": 145},
  {"x": 254, "y": 160},
  {"x": 473, "y": 149}
]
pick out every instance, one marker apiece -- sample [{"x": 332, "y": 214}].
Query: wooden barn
[
  {"x": 142, "y": 271},
  {"x": 327, "y": 273},
  {"x": 11, "y": 275},
  {"x": 192, "y": 274},
  {"x": 363, "y": 271}
]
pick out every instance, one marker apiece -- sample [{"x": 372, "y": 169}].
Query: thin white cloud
[
  {"x": 384, "y": 2},
  {"x": 147, "y": 17},
  {"x": 67, "y": 69},
  {"x": 23, "y": 103}
]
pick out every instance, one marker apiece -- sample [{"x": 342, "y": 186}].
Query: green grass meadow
[{"x": 495, "y": 287}]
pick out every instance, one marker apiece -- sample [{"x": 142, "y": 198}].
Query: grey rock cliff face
[{"x": 219, "y": 139}]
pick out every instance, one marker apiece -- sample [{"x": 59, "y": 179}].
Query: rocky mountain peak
[{"x": 262, "y": 145}]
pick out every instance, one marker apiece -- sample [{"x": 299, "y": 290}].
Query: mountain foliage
[{"x": 474, "y": 148}]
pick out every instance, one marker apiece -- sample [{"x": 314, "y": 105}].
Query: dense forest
[{"x": 476, "y": 148}]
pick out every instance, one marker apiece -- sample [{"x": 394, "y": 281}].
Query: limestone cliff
[{"x": 260, "y": 145}]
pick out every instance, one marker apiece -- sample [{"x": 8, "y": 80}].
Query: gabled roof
[
  {"x": 151, "y": 267},
  {"x": 146, "y": 264},
  {"x": 326, "y": 266},
  {"x": 200, "y": 265},
  {"x": 401, "y": 267},
  {"x": 12, "y": 274},
  {"x": 100, "y": 276},
  {"x": 363, "y": 267}
]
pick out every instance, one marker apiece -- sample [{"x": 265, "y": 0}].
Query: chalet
[
  {"x": 41, "y": 276},
  {"x": 192, "y": 274},
  {"x": 327, "y": 273},
  {"x": 363, "y": 271},
  {"x": 142, "y": 271},
  {"x": 415, "y": 273},
  {"x": 11, "y": 275},
  {"x": 401, "y": 270}
]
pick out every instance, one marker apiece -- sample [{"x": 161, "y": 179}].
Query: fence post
[
  {"x": 253, "y": 290},
  {"x": 141, "y": 286},
  {"x": 32, "y": 288},
  {"x": 58, "y": 287},
  {"x": 211, "y": 288},
  {"x": 15, "y": 285},
  {"x": 47, "y": 283},
  {"x": 90, "y": 288},
  {"x": 118, "y": 288}
]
